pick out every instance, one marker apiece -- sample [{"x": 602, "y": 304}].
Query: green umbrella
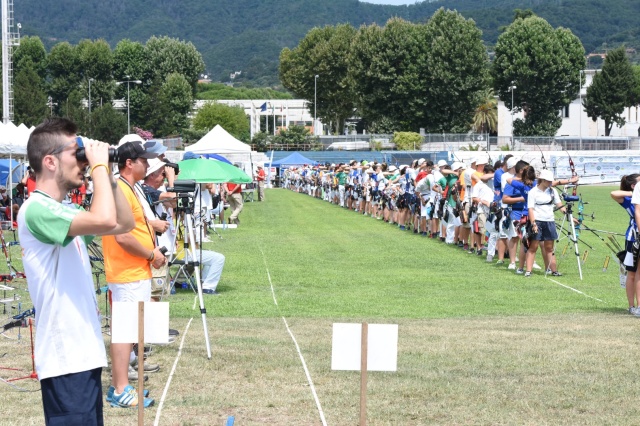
[{"x": 211, "y": 171}]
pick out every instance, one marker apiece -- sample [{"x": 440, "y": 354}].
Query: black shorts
[
  {"x": 546, "y": 231},
  {"x": 628, "y": 246},
  {"x": 73, "y": 399}
]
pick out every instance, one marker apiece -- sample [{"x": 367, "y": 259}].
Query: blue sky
[{"x": 393, "y": 2}]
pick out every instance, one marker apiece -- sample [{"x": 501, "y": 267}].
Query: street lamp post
[
  {"x": 90, "y": 80},
  {"x": 511, "y": 89},
  {"x": 128, "y": 109},
  {"x": 315, "y": 102}
]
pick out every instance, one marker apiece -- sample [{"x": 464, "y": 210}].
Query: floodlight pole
[
  {"x": 511, "y": 89},
  {"x": 315, "y": 104},
  {"x": 128, "y": 109},
  {"x": 90, "y": 80}
]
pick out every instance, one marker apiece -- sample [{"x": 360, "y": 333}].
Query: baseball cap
[
  {"x": 392, "y": 169},
  {"x": 154, "y": 165},
  {"x": 442, "y": 163},
  {"x": 473, "y": 160},
  {"x": 155, "y": 146},
  {"x": 482, "y": 159},
  {"x": 190, "y": 156},
  {"x": 421, "y": 161},
  {"x": 546, "y": 175},
  {"x": 133, "y": 151},
  {"x": 511, "y": 162},
  {"x": 456, "y": 165}
]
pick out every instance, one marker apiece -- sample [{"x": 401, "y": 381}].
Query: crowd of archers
[{"x": 502, "y": 212}]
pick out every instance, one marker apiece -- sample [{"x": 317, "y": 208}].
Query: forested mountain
[{"x": 248, "y": 35}]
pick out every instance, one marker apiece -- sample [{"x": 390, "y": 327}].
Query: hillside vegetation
[{"x": 248, "y": 35}]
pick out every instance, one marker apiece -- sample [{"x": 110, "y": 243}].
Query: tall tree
[
  {"x": 166, "y": 55},
  {"x": 544, "y": 65},
  {"x": 456, "y": 71},
  {"x": 387, "y": 67},
  {"x": 174, "y": 103},
  {"x": 95, "y": 61},
  {"x": 322, "y": 52},
  {"x": 32, "y": 49},
  {"x": 30, "y": 97},
  {"x": 64, "y": 73},
  {"x": 130, "y": 63},
  {"x": 612, "y": 90}
]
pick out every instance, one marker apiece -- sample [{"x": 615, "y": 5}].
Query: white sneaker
[
  {"x": 536, "y": 266},
  {"x": 512, "y": 266}
]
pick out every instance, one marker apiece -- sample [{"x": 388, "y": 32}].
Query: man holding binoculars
[{"x": 69, "y": 349}]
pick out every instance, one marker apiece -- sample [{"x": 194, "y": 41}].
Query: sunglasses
[{"x": 78, "y": 140}]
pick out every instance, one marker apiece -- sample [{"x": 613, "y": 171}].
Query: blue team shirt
[
  {"x": 631, "y": 210},
  {"x": 497, "y": 185}
]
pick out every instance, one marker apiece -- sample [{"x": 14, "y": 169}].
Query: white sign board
[
  {"x": 124, "y": 322},
  {"x": 382, "y": 347}
]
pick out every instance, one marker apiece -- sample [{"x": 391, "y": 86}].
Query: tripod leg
[
  {"x": 203, "y": 310},
  {"x": 574, "y": 238}
]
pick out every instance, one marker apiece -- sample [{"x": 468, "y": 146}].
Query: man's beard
[{"x": 66, "y": 184}]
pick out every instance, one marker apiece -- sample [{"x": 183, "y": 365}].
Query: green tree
[
  {"x": 64, "y": 73},
  {"x": 232, "y": 119},
  {"x": 108, "y": 124},
  {"x": 295, "y": 136},
  {"x": 387, "y": 68},
  {"x": 31, "y": 49},
  {"x": 166, "y": 55},
  {"x": 612, "y": 90},
  {"x": 30, "y": 99},
  {"x": 130, "y": 63},
  {"x": 407, "y": 141},
  {"x": 456, "y": 73},
  {"x": 261, "y": 141},
  {"x": 323, "y": 52},
  {"x": 175, "y": 97},
  {"x": 95, "y": 61},
  {"x": 543, "y": 64},
  {"x": 485, "y": 117}
]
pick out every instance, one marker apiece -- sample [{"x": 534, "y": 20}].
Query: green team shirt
[
  {"x": 342, "y": 178},
  {"x": 449, "y": 181}
]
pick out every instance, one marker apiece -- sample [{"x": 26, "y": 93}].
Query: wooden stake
[
  {"x": 363, "y": 374},
  {"x": 140, "y": 363}
]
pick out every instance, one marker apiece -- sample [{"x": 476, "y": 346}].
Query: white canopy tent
[
  {"x": 219, "y": 141},
  {"x": 13, "y": 140}
]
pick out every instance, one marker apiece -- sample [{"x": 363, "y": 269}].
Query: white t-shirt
[
  {"x": 503, "y": 184},
  {"x": 69, "y": 337},
  {"x": 542, "y": 203},
  {"x": 635, "y": 197},
  {"x": 482, "y": 191}
]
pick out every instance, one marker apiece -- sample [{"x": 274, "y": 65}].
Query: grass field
[{"x": 477, "y": 344}]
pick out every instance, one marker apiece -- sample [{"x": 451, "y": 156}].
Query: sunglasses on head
[{"x": 77, "y": 140}]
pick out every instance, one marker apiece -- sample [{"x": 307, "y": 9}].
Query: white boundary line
[
  {"x": 304, "y": 364},
  {"x": 173, "y": 370},
  {"x": 577, "y": 291}
]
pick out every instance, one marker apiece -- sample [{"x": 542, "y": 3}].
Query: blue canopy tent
[
  {"x": 295, "y": 159},
  {"x": 13, "y": 167}
]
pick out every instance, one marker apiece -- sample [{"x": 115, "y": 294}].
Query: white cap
[
  {"x": 154, "y": 165},
  {"x": 482, "y": 159},
  {"x": 133, "y": 137},
  {"x": 392, "y": 169},
  {"x": 442, "y": 163},
  {"x": 511, "y": 162},
  {"x": 472, "y": 160},
  {"x": 421, "y": 161},
  {"x": 546, "y": 175},
  {"x": 456, "y": 165}
]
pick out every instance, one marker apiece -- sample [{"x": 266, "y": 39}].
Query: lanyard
[{"x": 146, "y": 221}]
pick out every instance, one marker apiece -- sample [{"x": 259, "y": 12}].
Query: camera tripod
[{"x": 184, "y": 213}]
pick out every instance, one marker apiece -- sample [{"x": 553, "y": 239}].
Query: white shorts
[{"x": 137, "y": 291}]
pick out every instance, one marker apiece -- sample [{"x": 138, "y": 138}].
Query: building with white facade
[{"x": 575, "y": 121}]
